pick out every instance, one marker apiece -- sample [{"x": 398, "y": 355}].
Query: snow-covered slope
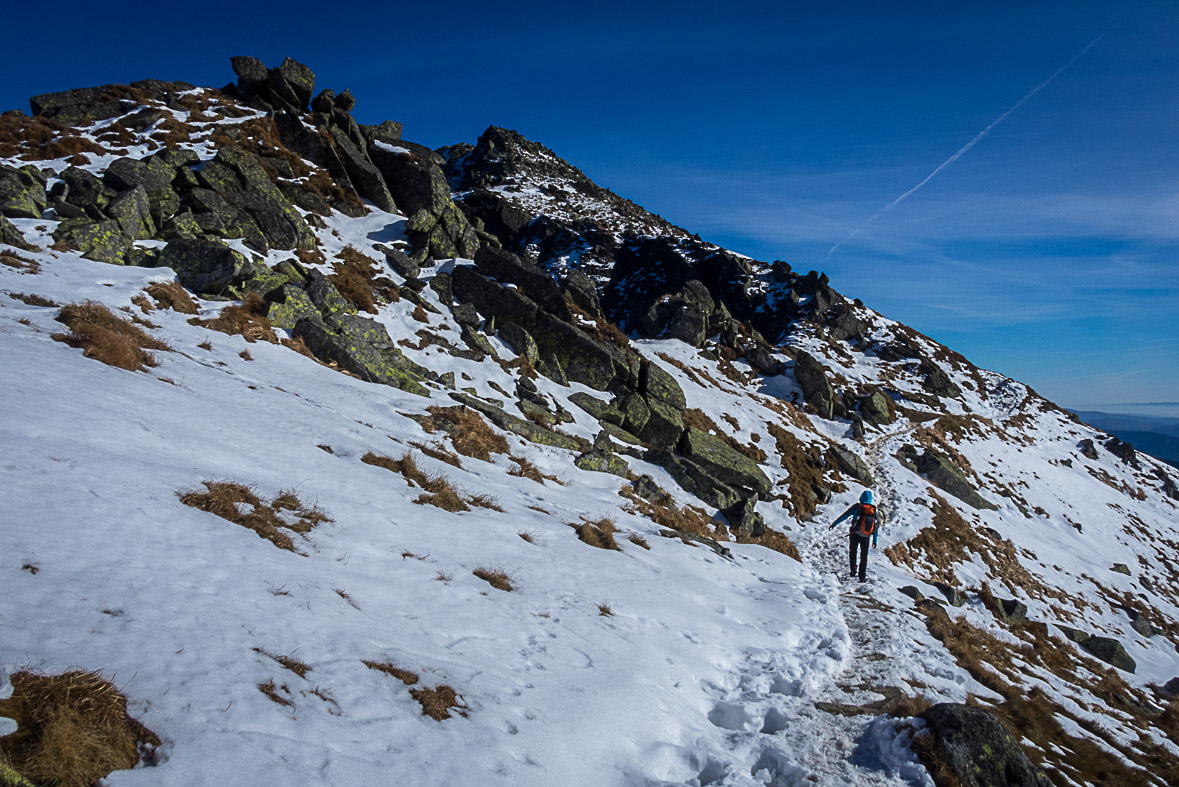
[{"x": 688, "y": 655}]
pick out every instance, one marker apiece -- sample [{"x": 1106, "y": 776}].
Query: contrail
[{"x": 977, "y": 138}]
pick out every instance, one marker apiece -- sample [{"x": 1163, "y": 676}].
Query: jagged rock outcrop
[
  {"x": 1110, "y": 651},
  {"x": 944, "y": 474},
  {"x": 816, "y": 388},
  {"x": 979, "y": 749},
  {"x": 22, "y": 193}
]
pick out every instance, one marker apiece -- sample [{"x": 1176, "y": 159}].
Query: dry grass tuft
[
  {"x": 442, "y": 576},
  {"x": 171, "y": 295},
  {"x": 272, "y": 690},
  {"x": 387, "y": 667},
  {"x": 19, "y": 263},
  {"x": 103, "y": 336},
  {"x": 605, "y": 611},
  {"x": 437, "y": 702},
  {"x": 528, "y": 536},
  {"x": 439, "y": 491},
  {"x": 441, "y": 454},
  {"x": 805, "y": 466},
  {"x": 72, "y": 729},
  {"x": 443, "y": 495},
  {"x": 356, "y": 278},
  {"x": 32, "y": 299},
  {"x": 665, "y": 513},
  {"x": 469, "y": 433},
  {"x": 775, "y": 540},
  {"x": 638, "y": 540},
  {"x": 239, "y": 504},
  {"x": 247, "y": 319},
  {"x": 485, "y": 501},
  {"x": 293, "y": 664},
  {"x": 419, "y": 314},
  {"x": 598, "y": 534},
  {"x": 496, "y": 577},
  {"x": 525, "y": 469}
]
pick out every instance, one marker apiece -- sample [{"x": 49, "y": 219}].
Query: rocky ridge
[{"x": 594, "y": 314}]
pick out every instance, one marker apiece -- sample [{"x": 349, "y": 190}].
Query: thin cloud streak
[{"x": 965, "y": 148}]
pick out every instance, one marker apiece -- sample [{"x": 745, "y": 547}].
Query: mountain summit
[{"x": 334, "y": 459}]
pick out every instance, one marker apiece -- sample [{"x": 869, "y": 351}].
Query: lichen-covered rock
[
  {"x": 877, "y": 409},
  {"x": 206, "y": 266},
  {"x": 579, "y": 292},
  {"x": 591, "y": 404},
  {"x": 103, "y": 241},
  {"x": 943, "y": 474},
  {"x": 721, "y": 461},
  {"x": 363, "y": 347},
  {"x": 853, "y": 464},
  {"x": 11, "y": 236},
  {"x": 695, "y": 479},
  {"x": 1012, "y": 611},
  {"x": 132, "y": 210},
  {"x": 154, "y": 174},
  {"x": 937, "y": 382},
  {"x": 635, "y": 413},
  {"x": 979, "y": 749},
  {"x": 953, "y": 595},
  {"x": 294, "y": 82},
  {"x": 655, "y": 384},
  {"x": 82, "y": 190},
  {"x": 402, "y": 265},
  {"x": 413, "y": 174},
  {"x": 288, "y": 305},
  {"x": 22, "y": 196},
  {"x": 365, "y": 177},
  {"x": 520, "y": 341},
  {"x": 600, "y": 461},
  {"x": 1110, "y": 651},
  {"x": 239, "y": 179},
  {"x": 505, "y": 267},
  {"x": 326, "y": 297},
  {"x": 744, "y": 519},
  {"x": 816, "y": 388}
]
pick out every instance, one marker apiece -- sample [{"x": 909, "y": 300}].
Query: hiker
[{"x": 865, "y": 523}]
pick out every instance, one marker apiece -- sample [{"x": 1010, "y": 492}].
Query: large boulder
[
  {"x": 944, "y": 474},
  {"x": 295, "y": 82},
  {"x": 695, "y": 479},
  {"x": 722, "y": 462},
  {"x": 288, "y": 305},
  {"x": 22, "y": 196},
  {"x": 252, "y": 74},
  {"x": 103, "y": 241},
  {"x": 877, "y": 409},
  {"x": 11, "y": 236},
  {"x": 132, "y": 210},
  {"x": 83, "y": 105},
  {"x": 365, "y": 177},
  {"x": 82, "y": 190},
  {"x": 979, "y": 749},
  {"x": 1122, "y": 450},
  {"x": 363, "y": 347},
  {"x": 1110, "y": 651},
  {"x": 206, "y": 266},
  {"x": 413, "y": 173},
  {"x": 239, "y": 179},
  {"x": 812, "y": 379},
  {"x": 155, "y": 174},
  {"x": 853, "y": 464},
  {"x": 744, "y": 518},
  {"x": 937, "y": 382},
  {"x": 505, "y": 267}
]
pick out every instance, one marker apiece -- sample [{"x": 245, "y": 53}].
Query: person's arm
[
  {"x": 845, "y": 515},
  {"x": 879, "y": 522}
]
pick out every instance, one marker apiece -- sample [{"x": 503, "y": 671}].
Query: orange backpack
[{"x": 864, "y": 523}]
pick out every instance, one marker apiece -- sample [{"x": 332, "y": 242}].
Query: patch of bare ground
[
  {"x": 496, "y": 577},
  {"x": 1032, "y": 713},
  {"x": 72, "y": 730},
  {"x": 40, "y": 139},
  {"x": 598, "y": 534},
  {"x": 439, "y": 701},
  {"x": 247, "y": 319},
  {"x": 804, "y": 464},
  {"x": 700, "y": 420},
  {"x": 239, "y": 504},
  {"x": 103, "y": 336}
]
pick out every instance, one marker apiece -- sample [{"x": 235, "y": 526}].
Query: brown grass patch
[
  {"x": 298, "y": 345},
  {"x": 469, "y": 433},
  {"x": 289, "y": 662},
  {"x": 39, "y": 139},
  {"x": 105, "y": 337},
  {"x": 387, "y": 667},
  {"x": 598, "y": 534},
  {"x": 638, "y": 540},
  {"x": 528, "y": 536},
  {"x": 239, "y": 504},
  {"x": 442, "y": 495},
  {"x": 419, "y": 314},
  {"x": 605, "y": 611},
  {"x": 274, "y": 692},
  {"x": 700, "y": 420},
  {"x": 485, "y": 501},
  {"x": 805, "y": 466},
  {"x": 356, "y": 278},
  {"x": 72, "y": 729},
  {"x": 245, "y": 355},
  {"x": 247, "y": 319},
  {"x": 666, "y": 513},
  {"x": 442, "y": 576},
  {"x": 438, "y": 701},
  {"x": 171, "y": 295},
  {"x": 19, "y": 263},
  {"x": 31, "y": 299},
  {"x": 525, "y": 469},
  {"x": 441, "y": 454},
  {"x": 496, "y": 577},
  {"x": 775, "y": 540}
]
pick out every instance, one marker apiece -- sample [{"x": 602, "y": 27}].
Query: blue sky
[{"x": 1046, "y": 252}]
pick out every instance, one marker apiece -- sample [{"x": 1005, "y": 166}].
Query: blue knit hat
[{"x": 866, "y": 497}]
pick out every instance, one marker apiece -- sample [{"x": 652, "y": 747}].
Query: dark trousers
[{"x": 860, "y": 543}]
